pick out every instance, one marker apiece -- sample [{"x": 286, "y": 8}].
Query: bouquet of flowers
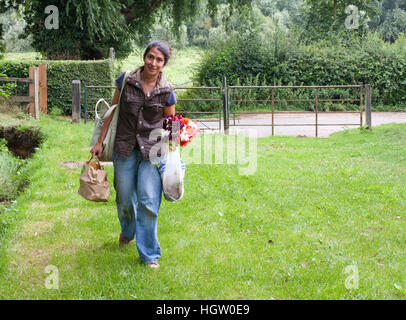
[{"x": 180, "y": 132}]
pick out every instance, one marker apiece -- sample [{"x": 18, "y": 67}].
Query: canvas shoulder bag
[{"x": 108, "y": 143}]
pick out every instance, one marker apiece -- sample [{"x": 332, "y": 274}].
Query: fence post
[
  {"x": 112, "y": 53},
  {"x": 36, "y": 92},
  {"x": 368, "y": 106},
  {"x": 228, "y": 108},
  {"x": 273, "y": 112},
  {"x": 43, "y": 99},
  {"x": 85, "y": 104},
  {"x": 31, "y": 91},
  {"x": 76, "y": 101},
  {"x": 33, "y": 88},
  {"x": 360, "y": 107},
  {"x": 316, "y": 111},
  {"x": 225, "y": 106}
]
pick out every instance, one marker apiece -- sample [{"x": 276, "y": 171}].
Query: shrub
[
  {"x": 284, "y": 60},
  {"x": 60, "y": 76},
  {"x": 10, "y": 175},
  {"x": 6, "y": 88}
]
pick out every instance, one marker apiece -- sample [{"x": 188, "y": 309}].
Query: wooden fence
[{"x": 37, "y": 90}]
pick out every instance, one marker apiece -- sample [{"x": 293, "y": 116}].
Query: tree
[
  {"x": 77, "y": 30},
  {"x": 392, "y": 21},
  {"x": 322, "y": 17},
  {"x": 13, "y": 27},
  {"x": 2, "y": 46},
  {"x": 394, "y": 24},
  {"x": 86, "y": 29},
  {"x": 335, "y": 9},
  {"x": 269, "y": 7}
]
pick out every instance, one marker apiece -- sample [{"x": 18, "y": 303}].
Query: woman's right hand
[{"x": 97, "y": 150}]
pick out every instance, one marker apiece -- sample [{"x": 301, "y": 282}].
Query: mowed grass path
[{"x": 312, "y": 208}]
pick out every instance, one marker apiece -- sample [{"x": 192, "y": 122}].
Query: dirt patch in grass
[
  {"x": 37, "y": 228},
  {"x": 27, "y": 259},
  {"x": 79, "y": 164},
  {"x": 22, "y": 142}
]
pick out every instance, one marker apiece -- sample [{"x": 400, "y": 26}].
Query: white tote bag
[{"x": 108, "y": 143}]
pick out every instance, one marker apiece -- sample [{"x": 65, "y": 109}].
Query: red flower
[{"x": 187, "y": 129}]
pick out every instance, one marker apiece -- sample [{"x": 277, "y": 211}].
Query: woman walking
[{"x": 146, "y": 99}]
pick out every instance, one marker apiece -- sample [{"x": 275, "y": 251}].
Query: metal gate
[
  {"x": 205, "y": 124},
  {"x": 364, "y": 91},
  {"x": 221, "y": 121}
]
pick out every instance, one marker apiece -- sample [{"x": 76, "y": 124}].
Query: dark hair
[{"x": 161, "y": 46}]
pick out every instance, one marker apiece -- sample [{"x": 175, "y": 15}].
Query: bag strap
[
  {"x": 123, "y": 83},
  {"x": 98, "y": 161},
  {"x": 113, "y": 107},
  {"x": 96, "y": 109},
  {"x": 122, "y": 88}
]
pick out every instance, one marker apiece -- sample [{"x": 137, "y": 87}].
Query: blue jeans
[{"x": 138, "y": 197}]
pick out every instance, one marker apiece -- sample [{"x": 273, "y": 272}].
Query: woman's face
[{"x": 154, "y": 61}]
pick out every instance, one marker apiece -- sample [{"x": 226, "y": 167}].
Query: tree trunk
[{"x": 335, "y": 11}]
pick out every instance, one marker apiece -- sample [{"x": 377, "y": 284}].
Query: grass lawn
[
  {"x": 30, "y": 55},
  {"x": 179, "y": 69},
  {"x": 313, "y": 208}
]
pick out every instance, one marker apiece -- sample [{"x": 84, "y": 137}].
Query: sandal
[{"x": 154, "y": 265}]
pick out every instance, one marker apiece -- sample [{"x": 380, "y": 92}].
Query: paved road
[{"x": 341, "y": 120}]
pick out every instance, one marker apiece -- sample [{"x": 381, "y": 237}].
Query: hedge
[
  {"x": 60, "y": 76},
  {"x": 285, "y": 61}
]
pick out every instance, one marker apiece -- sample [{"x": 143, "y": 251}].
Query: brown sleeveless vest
[{"x": 139, "y": 114}]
